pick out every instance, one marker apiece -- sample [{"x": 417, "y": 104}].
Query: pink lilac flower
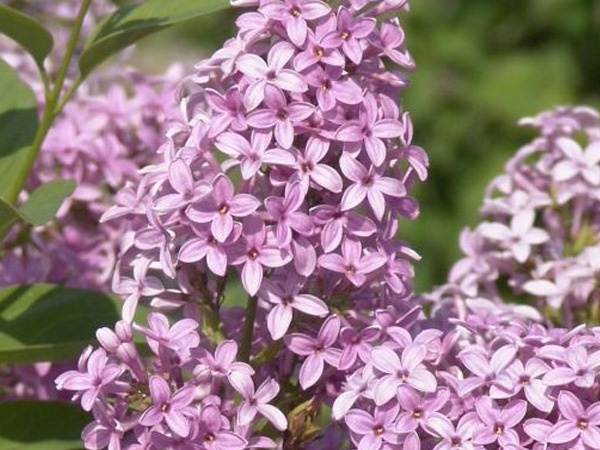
[
  {"x": 417, "y": 408},
  {"x": 211, "y": 433},
  {"x": 407, "y": 370},
  {"x": 578, "y": 162},
  {"x": 252, "y": 155},
  {"x": 370, "y": 131},
  {"x": 311, "y": 168},
  {"x": 186, "y": 190},
  {"x": 270, "y": 73},
  {"x": 349, "y": 34},
  {"x": 286, "y": 298},
  {"x": 374, "y": 431},
  {"x": 519, "y": 237},
  {"x": 317, "y": 350},
  {"x": 352, "y": 262},
  {"x": 280, "y": 115},
  {"x": 294, "y": 14},
  {"x": 221, "y": 207},
  {"x": 255, "y": 254},
  {"x": 577, "y": 422},
  {"x": 285, "y": 211},
  {"x": 134, "y": 288},
  {"x": 171, "y": 408},
  {"x": 90, "y": 383},
  {"x": 368, "y": 184},
  {"x": 498, "y": 424},
  {"x": 256, "y": 402},
  {"x": 452, "y": 437},
  {"x": 580, "y": 369}
]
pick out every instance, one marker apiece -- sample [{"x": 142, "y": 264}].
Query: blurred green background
[{"x": 481, "y": 65}]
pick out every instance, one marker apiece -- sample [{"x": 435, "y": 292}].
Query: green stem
[
  {"x": 248, "y": 329},
  {"x": 52, "y": 98}
]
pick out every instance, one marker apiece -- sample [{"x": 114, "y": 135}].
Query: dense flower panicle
[
  {"x": 317, "y": 145},
  {"x": 106, "y": 133},
  {"x": 509, "y": 384},
  {"x": 293, "y": 145},
  {"x": 100, "y": 141},
  {"x": 291, "y": 172},
  {"x": 540, "y": 234}
]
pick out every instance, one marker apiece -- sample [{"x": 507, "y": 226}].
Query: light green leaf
[
  {"x": 27, "y": 32},
  {"x": 44, "y": 322},
  {"x": 44, "y": 202},
  {"x": 131, "y": 23},
  {"x": 8, "y": 216},
  {"x": 18, "y": 124},
  {"x": 35, "y": 425}
]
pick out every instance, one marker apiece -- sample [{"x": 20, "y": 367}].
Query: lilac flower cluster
[
  {"x": 100, "y": 140},
  {"x": 486, "y": 384},
  {"x": 540, "y": 235},
  {"x": 185, "y": 400},
  {"x": 293, "y": 171}
]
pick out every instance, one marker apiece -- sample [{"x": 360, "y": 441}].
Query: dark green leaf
[
  {"x": 27, "y": 32},
  {"x": 44, "y": 202},
  {"x": 34, "y": 425},
  {"x": 131, "y": 23},
  {"x": 8, "y": 216},
  {"x": 18, "y": 124},
  {"x": 44, "y": 322}
]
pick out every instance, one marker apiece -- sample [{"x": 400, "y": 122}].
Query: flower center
[
  {"x": 402, "y": 374},
  {"x": 271, "y": 75},
  {"x": 282, "y": 114},
  {"x": 417, "y": 413},
  {"x": 524, "y": 380},
  {"x": 306, "y": 167},
  {"x": 456, "y": 441},
  {"x": 350, "y": 270},
  {"x": 295, "y": 11},
  {"x": 223, "y": 208},
  {"x": 582, "y": 424},
  {"x": 344, "y": 35},
  {"x": 318, "y": 51},
  {"x": 209, "y": 437},
  {"x": 252, "y": 254},
  {"x": 164, "y": 407},
  {"x": 326, "y": 85},
  {"x": 498, "y": 429},
  {"x": 377, "y": 430}
]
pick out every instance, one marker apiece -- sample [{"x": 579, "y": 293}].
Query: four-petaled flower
[
  {"x": 369, "y": 184},
  {"x": 255, "y": 253},
  {"x": 317, "y": 350},
  {"x": 221, "y": 207},
  {"x": 294, "y": 14},
  {"x": 577, "y": 422},
  {"x": 170, "y": 408},
  {"x": 352, "y": 263},
  {"x": 270, "y": 73}
]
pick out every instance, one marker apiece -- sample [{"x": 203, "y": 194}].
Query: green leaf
[
  {"x": 44, "y": 322},
  {"x": 27, "y": 32},
  {"x": 18, "y": 124},
  {"x": 131, "y": 23},
  {"x": 44, "y": 202},
  {"x": 8, "y": 216},
  {"x": 35, "y": 425}
]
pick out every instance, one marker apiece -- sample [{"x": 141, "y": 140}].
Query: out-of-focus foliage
[{"x": 481, "y": 65}]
